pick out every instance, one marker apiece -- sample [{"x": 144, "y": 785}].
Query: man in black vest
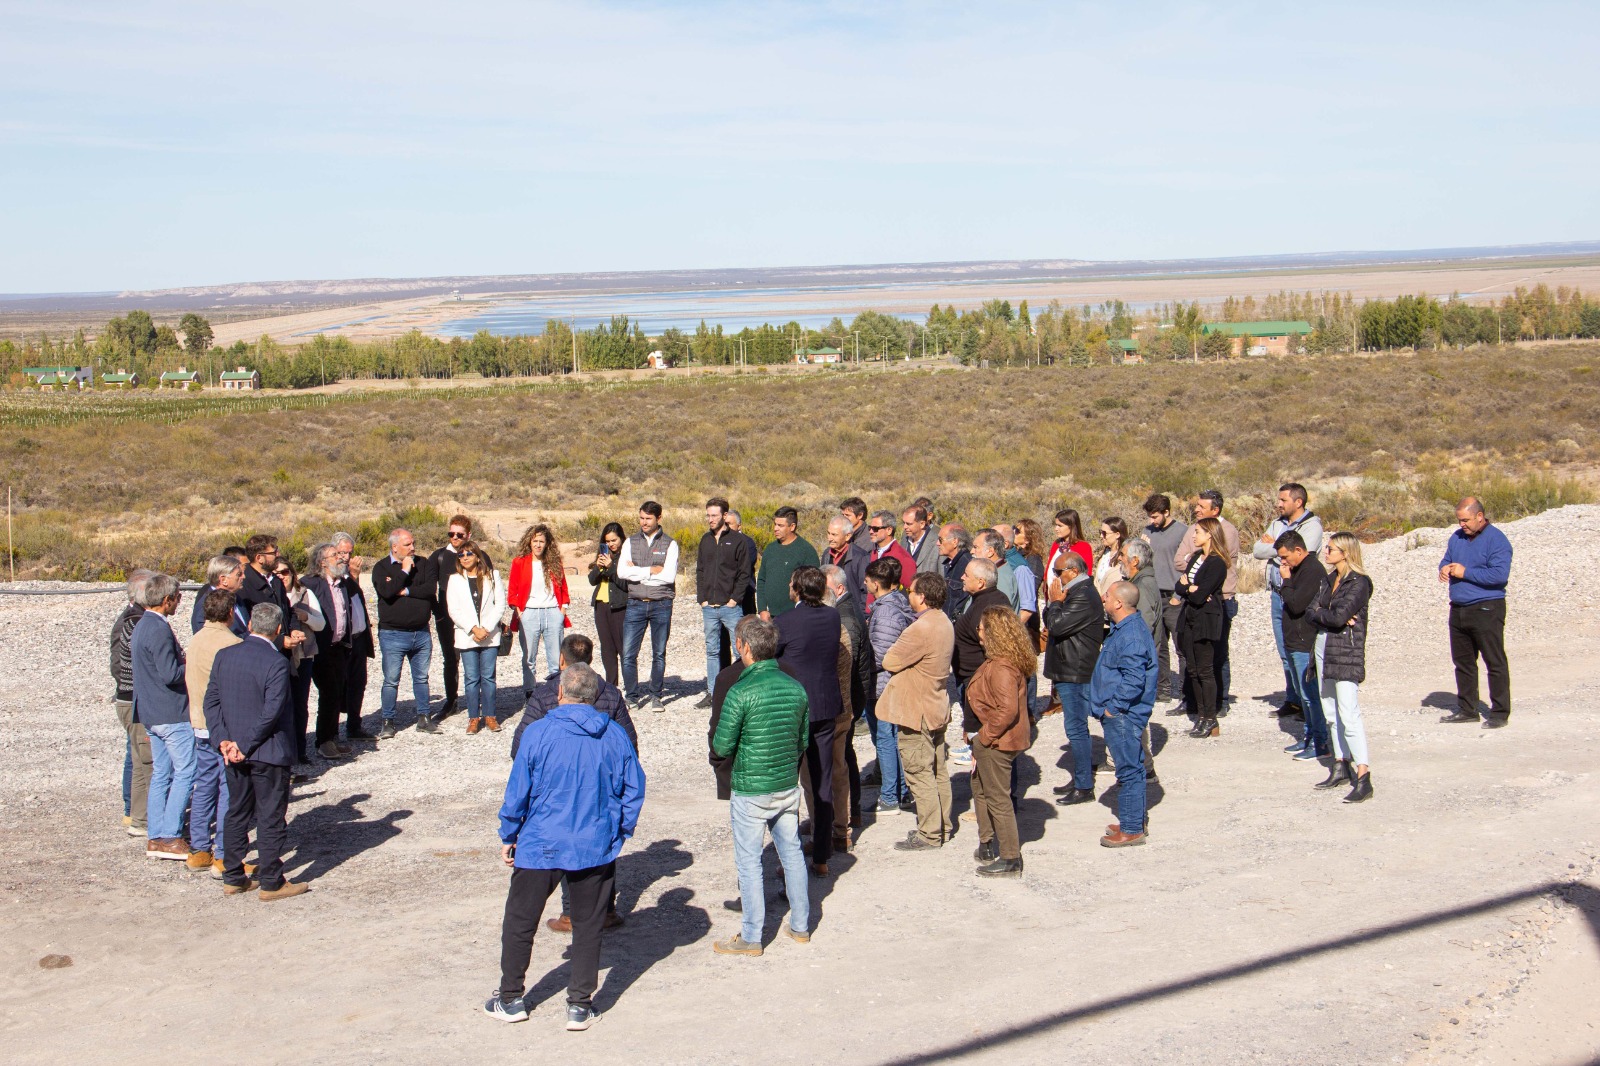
[
  {"x": 444, "y": 560},
  {"x": 649, "y": 563},
  {"x": 331, "y": 667}
]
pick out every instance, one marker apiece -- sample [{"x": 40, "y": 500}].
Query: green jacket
[
  {"x": 764, "y": 726},
  {"x": 778, "y": 564}
]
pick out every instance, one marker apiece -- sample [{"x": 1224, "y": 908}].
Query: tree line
[{"x": 995, "y": 333}]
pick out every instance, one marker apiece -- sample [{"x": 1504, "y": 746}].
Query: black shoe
[
  {"x": 1001, "y": 868},
  {"x": 1290, "y": 710},
  {"x": 734, "y": 905},
  {"x": 1362, "y": 790},
  {"x": 1178, "y": 710},
  {"x": 1337, "y": 775},
  {"x": 1496, "y": 721},
  {"x": 427, "y": 724},
  {"x": 914, "y": 842},
  {"x": 705, "y": 702},
  {"x": 1076, "y": 796},
  {"x": 908, "y": 807},
  {"x": 449, "y": 707},
  {"x": 387, "y": 732},
  {"x": 1459, "y": 718},
  {"x": 987, "y": 851},
  {"x": 1062, "y": 790},
  {"x": 506, "y": 1010},
  {"x": 579, "y": 1017},
  {"x": 357, "y": 733}
]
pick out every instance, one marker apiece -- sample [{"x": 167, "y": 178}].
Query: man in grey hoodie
[{"x": 1294, "y": 515}]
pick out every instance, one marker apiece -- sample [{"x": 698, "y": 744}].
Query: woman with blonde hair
[
  {"x": 476, "y": 602},
  {"x": 1340, "y": 614},
  {"x": 996, "y": 723},
  {"x": 537, "y": 588},
  {"x": 1199, "y": 594}
]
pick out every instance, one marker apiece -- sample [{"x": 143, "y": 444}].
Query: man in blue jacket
[
  {"x": 574, "y": 797},
  {"x": 161, "y": 705},
  {"x": 250, "y": 716},
  {"x": 1477, "y": 567},
  {"x": 1122, "y": 693}
]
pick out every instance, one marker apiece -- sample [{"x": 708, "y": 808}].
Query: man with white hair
[
  {"x": 227, "y": 573},
  {"x": 361, "y": 644},
  {"x": 331, "y": 666},
  {"x": 136, "y": 760},
  {"x": 406, "y": 589},
  {"x": 1122, "y": 693}
]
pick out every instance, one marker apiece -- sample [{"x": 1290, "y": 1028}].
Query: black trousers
[
  {"x": 355, "y": 689},
  {"x": 257, "y": 793},
  {"x": 1169, "y": 681},
  {"x": 451, "y": 658},
  {"x": 1219, "y": 659},
  {"x": 1199, "y": 677},
  {"x": 530, "y": 890},
  {"x": 329, "y": 671},
  {"x": 608, "y": 624},
  {"x": 819, "y": 772},
  {"x": 1479, "y": 630}
]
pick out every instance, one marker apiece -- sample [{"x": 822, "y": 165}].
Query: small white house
[
  {"x": 241, "y": 379},
  {"x": 656, "y": 360},
  {"x": 181, "y": 378}
]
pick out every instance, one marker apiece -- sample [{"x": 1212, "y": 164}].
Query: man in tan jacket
[
  {"x": 916, "y": 702},
  {"x": 208, "y": 805}
]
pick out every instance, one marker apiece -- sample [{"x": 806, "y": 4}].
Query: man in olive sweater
[
  {"x": 786, "y": 553},
  {"x": 763, "y": 728}
]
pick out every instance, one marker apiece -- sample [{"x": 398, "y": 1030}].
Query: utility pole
[
  {"x": 11, "y": 554},
  {"x": 857, "y": 333},
  {"x": 572, "y": 327}
]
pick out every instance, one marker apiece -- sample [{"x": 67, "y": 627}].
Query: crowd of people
[{"x": 898, "y": 623}]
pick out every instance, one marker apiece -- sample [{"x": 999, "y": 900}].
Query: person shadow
[
  {"x": 327, "y": 836},
  {"x": 650, "y": 935},
  {"x": 1032, "y": 811},
  {"x": 1441, "y": 701}
]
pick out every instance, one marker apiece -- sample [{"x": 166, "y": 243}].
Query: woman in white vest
[{"x": 476, "y": 602}]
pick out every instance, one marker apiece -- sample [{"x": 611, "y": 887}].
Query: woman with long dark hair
[
  {"x": 610, "y": 598},
  {"x": 1108, "y": 571},
  {"x": 1199, "y": 593},
  {"x": 1340, "y": 614},
  {"x": 537, "y": 588},
  {"x": 476, "y": 601}
]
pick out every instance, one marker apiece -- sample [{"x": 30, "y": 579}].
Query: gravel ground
[{"x": 1214, "y": 944}]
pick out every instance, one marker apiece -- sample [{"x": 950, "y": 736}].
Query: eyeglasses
[
  {"x": 879, "y": 529},
  {"x": 457, "y": 536}
]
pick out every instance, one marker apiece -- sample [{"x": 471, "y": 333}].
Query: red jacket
[
  {"x": 520, "y": 584},
  {"x": 897, "y": 551},
  {"x": 1085, "y": 553}
]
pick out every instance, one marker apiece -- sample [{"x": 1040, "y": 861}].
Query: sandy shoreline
[{"x": 380, "y": 319}]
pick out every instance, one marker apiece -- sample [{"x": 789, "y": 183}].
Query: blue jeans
[
  {"x": 400, "y": 646},
  {"x": 1074, "y": 697},
  {"x": 171, "y": 778},
  {"x": 886, "y": 741},
  {"x": 715, "y": 620},
  {"x": 751, "y": 817},
  {"x": 1289, "y": 688},
  {"x": 539, "y": 625},
  {"x": 1230, "y": 611},
  {"x": 657, "y": 614},
  {"x": 208, "y": 807},
  {"x": 1123, "y": 733},
  {"x": 1316, "y": 730},
  {"x": 477, "y": 676}
]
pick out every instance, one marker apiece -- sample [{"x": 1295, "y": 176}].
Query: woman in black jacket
[
  {"x": 1199, "y": 592},
  {"x": 1340, "y": 614},
  {"x": 610, "y": 597}
]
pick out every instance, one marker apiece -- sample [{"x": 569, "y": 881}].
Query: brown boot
[
  {"x": 473, "y": 725},
  {"x": 493, "y": 724},
  {"x": 562, "y": 924}
]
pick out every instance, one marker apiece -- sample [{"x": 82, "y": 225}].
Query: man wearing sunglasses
[
  {"x": 445, "y": 560},
  {"x": 262, "y": 585},
  {"x": 880, "y": 527}
]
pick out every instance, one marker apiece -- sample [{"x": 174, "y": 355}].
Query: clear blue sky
[{"x": 148, "y": 145}]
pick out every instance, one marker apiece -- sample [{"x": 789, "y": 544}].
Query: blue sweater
[
  {"x": 1124, "y": 679},
  {"x": 1487, "y": 559},
  {"x": 575, "y": 791}
]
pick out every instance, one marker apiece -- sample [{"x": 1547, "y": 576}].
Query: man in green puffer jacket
[{"x": 763, "y": 728}]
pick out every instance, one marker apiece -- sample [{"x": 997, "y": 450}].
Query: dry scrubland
[{"x": 1385, "y": 441}]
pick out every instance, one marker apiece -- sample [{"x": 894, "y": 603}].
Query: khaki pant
[
  {"x": 139, "y": 740},
  {"x": 843, "y": 737},
  {"x": 991, "y": 799},
  {"x": 1144, "y": 742},
  {"x": 922, "y": 757}
]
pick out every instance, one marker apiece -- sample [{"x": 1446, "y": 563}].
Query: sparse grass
[{"x": 1386, "y": 442}]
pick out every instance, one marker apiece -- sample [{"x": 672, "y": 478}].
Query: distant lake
[{"x": 732, "y": 308}]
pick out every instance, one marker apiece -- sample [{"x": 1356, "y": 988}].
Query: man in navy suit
[
  {"x": 250, "y": 716},
  {"x": 223, "y": 572},
  {"x": 161, "y": 705}
]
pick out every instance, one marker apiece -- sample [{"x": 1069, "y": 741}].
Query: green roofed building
[
  {"x": 818, "y": 355},
  {"x": 180, "y": 378},
  {"x": 81, "y": 376},
  {"x": 120, "y": 380},
  {"x": 1128, "y": 351},
  {"x": 1260, "y": 338},
  {"x": 240, "y": 379}
]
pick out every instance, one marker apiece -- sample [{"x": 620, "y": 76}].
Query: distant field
[{"x": 1387, "y": 442}]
